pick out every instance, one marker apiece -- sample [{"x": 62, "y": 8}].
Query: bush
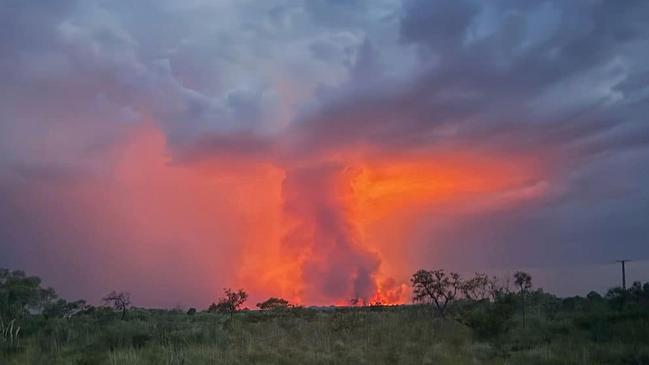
[{"x": 492, "y": 320}]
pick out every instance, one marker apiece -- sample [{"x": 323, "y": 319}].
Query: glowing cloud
[{"x": 317, "y": 150}]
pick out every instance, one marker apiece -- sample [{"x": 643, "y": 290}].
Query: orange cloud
[
  {"x": 317, "y": 230},
  {"x": 331, "y": 213}
]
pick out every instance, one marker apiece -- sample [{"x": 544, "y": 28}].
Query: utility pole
[{"x": 623, "y": 262}]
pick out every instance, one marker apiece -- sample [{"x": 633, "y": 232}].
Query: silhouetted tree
[
  {"x": 212, "y": 308},
  {"x": 593, "y": 296},
  {"x": 636, "y": 293},
  {"x": 617, "y": 297},
  {"x": 191, "y": 311},
  {"x": 478, "y": 288},
  {"x": 436, "y": 287},
  {"x": 636, "y": 289},
  {"x": 274, "y": 304},
  {"x": 231, "y": 303},
  {"x": 523, "y": 281},
  {"x": 120, "y": 301},
  {"x": 19, "y": 293}
]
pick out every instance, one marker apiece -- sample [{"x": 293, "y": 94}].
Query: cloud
[
  {"x": 325, "y": 237},
  {"x": 534, "y": 111}
]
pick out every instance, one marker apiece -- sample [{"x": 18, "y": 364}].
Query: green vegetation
[{"x": 477, "y": 321}]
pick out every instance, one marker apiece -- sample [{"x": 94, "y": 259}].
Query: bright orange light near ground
[
  {"x": 389, "y": 193},
  {"x": 359, "y": 196},
  {"x": 313, "y": 232}
]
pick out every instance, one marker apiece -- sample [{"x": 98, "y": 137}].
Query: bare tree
[
  {"x": 231, "y": 303},
  {"x": 524, "y": 282},
  {"x": 120, "y": 301},
  {"x": 436, "y": 287},
  {"x": 499, "y": 287},
  {"x": 478, "y": 288}
]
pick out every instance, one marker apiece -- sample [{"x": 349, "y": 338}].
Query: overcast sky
[{"x": 174, "y": 147}]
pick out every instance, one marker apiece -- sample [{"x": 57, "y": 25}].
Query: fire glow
[
  {"x": 327, "y": 249},
  {"x": 319, "y": 231}
]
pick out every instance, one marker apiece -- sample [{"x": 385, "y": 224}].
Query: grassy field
[
  {"x": 569, "y": 331},
  {"x": 489, "y": 323}
]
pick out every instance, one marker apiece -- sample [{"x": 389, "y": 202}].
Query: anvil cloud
[{"x": 318, "y": 150}]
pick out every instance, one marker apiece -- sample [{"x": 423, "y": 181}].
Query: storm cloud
[{"x": 156, "y": 136}]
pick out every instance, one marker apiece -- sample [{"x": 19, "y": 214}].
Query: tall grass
[{"x": 394, "y": 335}]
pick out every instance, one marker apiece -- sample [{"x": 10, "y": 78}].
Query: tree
[
  {"x": 274, "y": 304},
  {"x": 523, "y": 281},
  {"x": 61, "y": 308},
  {"x": 492, "y": 320},
  {"x": 478, "y": 288},
  {"x": 593, "y": 296},
  {"x": 436, "y": 287},
  {"x": 19, "y": 293},
  {"x": 119, "y": 301},
  {"x": 499, "y": 287},
  {"x": 617, "y": 297},
  {"x": 231, "y": 303},
  {"x": 637, "y": 293}
]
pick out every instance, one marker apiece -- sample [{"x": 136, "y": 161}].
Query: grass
[{"x": 389, "y": 335}]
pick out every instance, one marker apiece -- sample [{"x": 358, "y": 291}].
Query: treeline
[{"x": 490, "y": 306}]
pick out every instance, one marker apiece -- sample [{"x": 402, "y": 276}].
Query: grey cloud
[
  {"x": 492, "y": 88},
  {"x": 574, "y": 92},
  {"x": 288, "y": 82},
  {"x": 438, "y": 24}
]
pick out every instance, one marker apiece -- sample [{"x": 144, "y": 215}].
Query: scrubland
[{"x": 557, "y": 331}]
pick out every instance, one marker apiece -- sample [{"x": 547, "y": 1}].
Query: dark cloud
[
  {"x": 442, "y": 25},
  {"x": 494, "y": 89},
  {"x": 294, "y": 83}
]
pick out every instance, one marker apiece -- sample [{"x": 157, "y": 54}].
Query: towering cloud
[{"x": 323, "y": 236}]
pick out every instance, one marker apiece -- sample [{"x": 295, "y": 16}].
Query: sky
[{"x": 321, "y": 150}]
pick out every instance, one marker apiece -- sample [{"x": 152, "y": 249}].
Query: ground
[{"x": 567, "y": 334}]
